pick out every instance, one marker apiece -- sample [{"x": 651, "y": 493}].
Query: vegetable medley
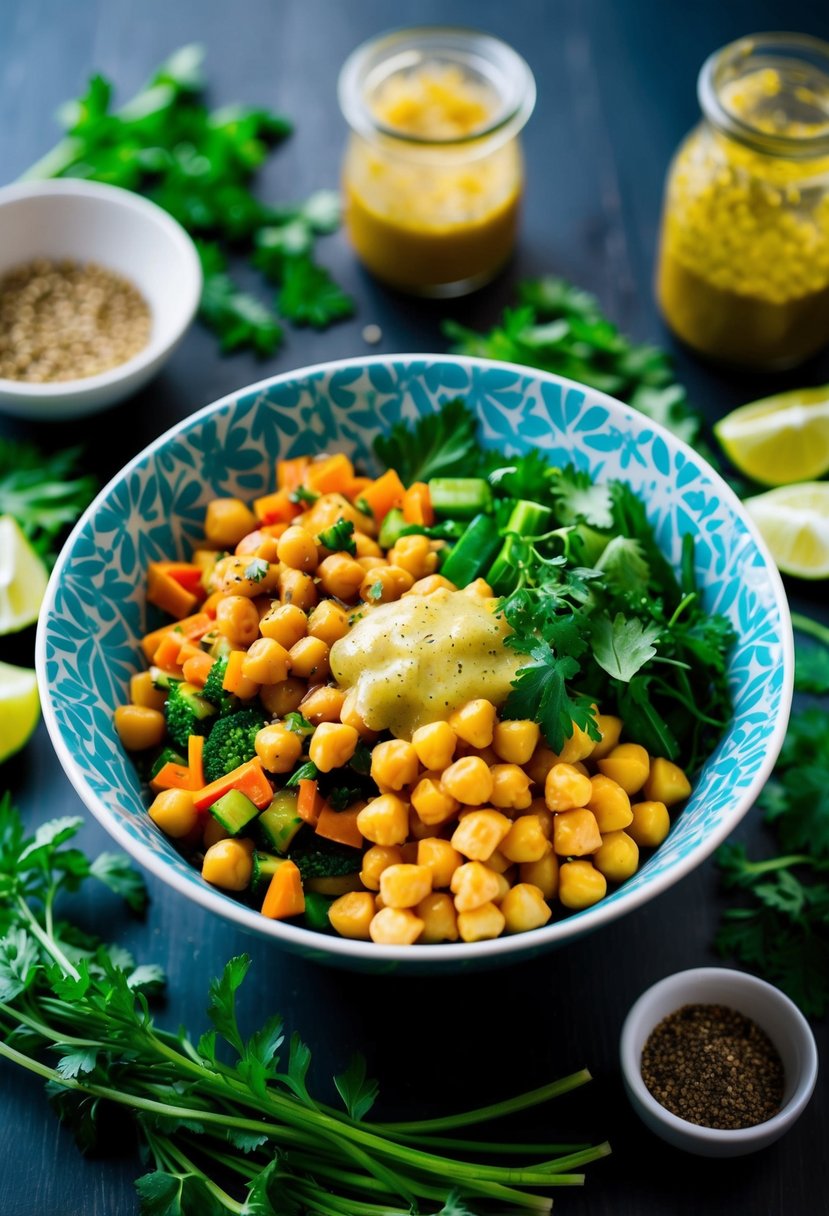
[{"x": 300, "y": 749}]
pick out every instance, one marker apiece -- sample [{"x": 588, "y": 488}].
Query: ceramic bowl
[
  {"x": 764, "y": 1004},
  {"x": 89, "y": 222},
  {"x": 94, "y": 612}
]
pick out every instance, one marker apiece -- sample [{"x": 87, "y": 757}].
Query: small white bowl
[
  {"x": 769, "y": 1008},
  {"x": 90, "y": 222}
]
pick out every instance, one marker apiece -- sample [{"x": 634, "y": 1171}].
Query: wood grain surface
[{"x": 616, "y": 92}]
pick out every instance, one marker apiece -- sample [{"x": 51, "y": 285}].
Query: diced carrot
[
  {"x": 187, "y": 650},
  {"x": 209, "y": 605},
  {"x": 186, "y": 574},
  {"x": 171, "y": 777},
  {"x": 197, "y": 667},
  {"x": 234, "y": 681},
  {"x": 284, "y": 896},
  {"x": 167, "y": 594},
  {"x": 276, "y": 508},
  {"x": 191, "y": 629},
  {"x": 340, "y": 826},
  {"x": 331, "y": 475},
  {"x": 308, "y": 806},
  {"x": 291, "y": 473},
  {"x": 166, "y": 655},
  {"x": 417, "y": 505},
  {"x": 249, "y": 778},
  {"x": 356, "y": 486},
  {"x": 274, "y": 530},
  {"x": 383, "y": 494},
  {"x": 195, "y": 752}
]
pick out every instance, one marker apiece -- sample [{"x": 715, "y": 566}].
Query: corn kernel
[
  {"x": 629, "y": 765},
  {"x": 403, "y": 886},
  {"x": 440, "y": 921},
  {"x": 580, "y": 884},
  {"x": 510, "y": 787},
  {"x": 352, "y": 914},
  {"x": 481, "y": 924},
  {"x": 566, "y": 788},
  {"x": 526, "y": 840},
  {"x": 394, "y": 764},
  {"x": 515, "y": 740},
  {"x": 474, "y": 884},
  {"x": 666, "y": 782},
  {"x": 524, "y": 908},
  {"x": 377, "y": 859},
  {"x": 618, "y": 857},
  {"x": 474, "y": 722},
  {"x": 432, "y": 803},
  {"x": 435, "y": 745},
  {"x": 542, "y": 874},
  {"x": 651, "y": 824},
  {"x": 440, "y": 858},
  {"x": 576, "y": 833},
  {"x": 385, "y": 820},
  {"x": 610, "y": 804},
  {"x": 332, "y": 745},
  {"x": 480, "y": 833},
  {"x": 395, "y": 927},
  {"x": 469, "y": 780}
]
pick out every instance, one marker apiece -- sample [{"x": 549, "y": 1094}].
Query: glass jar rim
[
  {"x": 380, "y": 56},
  {"x": 710, "y": 80}
]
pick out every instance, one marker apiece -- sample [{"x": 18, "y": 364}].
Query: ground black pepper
[{"x": 713, "y": 1066}]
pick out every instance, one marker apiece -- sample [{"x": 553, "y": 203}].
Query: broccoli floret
[
  {"x": 326, "y": 861},
  {"x": 214, "y": 690},
  {"x": 188, "y": 713},
  {"x": 231, "y": 742}
]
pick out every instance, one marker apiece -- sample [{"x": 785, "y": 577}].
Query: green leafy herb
[
  {"x": 198, "y": 164},
  {"x": 226, "y": 1122},
  {"x": 298, "y": 724},
  {"x": 257, "y": 569},
  {"x": 811, "y": 662},
  {"x": 622, "y": 646},
  {"x": 540, "y": 692},
  {"x": 44, "y": 493},
  {"x": 442, "y": 444},
  {"x": 302, "y": 495},
  {"x": 306, "y": 772},
  {"x": 339, "y": 537}
]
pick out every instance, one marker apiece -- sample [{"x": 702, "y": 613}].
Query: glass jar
[
  {"x": 743, "y": 266},
  {"x": 433, "y": 172}
]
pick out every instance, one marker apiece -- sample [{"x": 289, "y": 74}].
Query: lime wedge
[
  {"x": 794, "y": 523},
  {"x": 19, "y": 708},
  {"x": 23, "y": 578},
  {"x": 779, "y": 439}
]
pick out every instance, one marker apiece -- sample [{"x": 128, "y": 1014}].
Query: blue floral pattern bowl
[{"x": 94, "y": 613}]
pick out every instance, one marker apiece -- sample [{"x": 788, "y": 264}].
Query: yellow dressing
[{"x": 418, "y": 659}]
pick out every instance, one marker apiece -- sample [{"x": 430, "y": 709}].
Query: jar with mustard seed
[
  {"x": 433, "y": 172},
  {"x": 743, "y": 265}
]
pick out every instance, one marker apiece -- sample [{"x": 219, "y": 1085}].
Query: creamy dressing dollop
[{"x": 418, "y": 659}]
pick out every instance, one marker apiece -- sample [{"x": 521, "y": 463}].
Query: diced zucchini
[
  {"x": 162, "y": 679},
  {"x": 234, "y": 811},
  {"x": 316, "y": 911},
  {"x": 391, "y": 529},
  {"x": 220, "y": 648},
  {"x": 279, "y": 822},
  {"x": 460, "y": 497},
  {"x": 201, "y": 707},
  {"x": 167, "y": 755},
  {"x": 265, "y": 866}
]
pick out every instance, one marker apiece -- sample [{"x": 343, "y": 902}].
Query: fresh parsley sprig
[
  {"x": 227, "y": 1121},
  {"x": 44, "y": 493}
]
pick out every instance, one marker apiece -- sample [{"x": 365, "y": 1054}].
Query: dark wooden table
[{"x": 616, "y": 91}]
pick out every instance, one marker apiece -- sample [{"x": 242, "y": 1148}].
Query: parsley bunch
[
  {"x": 560, "y": 328},
  {"x": 781, "y": 925},
  {"x": 227, "y": 1121},
  {"x": 198, "y": 165},
  {"x": 44, "y": 493}
]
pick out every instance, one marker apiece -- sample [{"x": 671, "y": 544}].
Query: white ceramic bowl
[
  {"x": 90, "y": 222},
  {"x": 95, "y": 610},
  {"x": 769, "y": 1008}
]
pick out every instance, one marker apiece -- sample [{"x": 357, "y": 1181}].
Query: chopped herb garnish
[
  {"x": 339, "y": 537},
  {"x": 303, "y": 495},
  {"x": 257, "y": 569}
]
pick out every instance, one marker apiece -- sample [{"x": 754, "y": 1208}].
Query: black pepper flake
[{"x": 714, "y": 1067}]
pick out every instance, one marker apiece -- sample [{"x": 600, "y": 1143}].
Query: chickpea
[
  {"x": 297, "y": 588},
  {"x": 332, "y": 746},
  {"x": 469, "y": 780},
  {"x": 174, "y": 812},
  {"x": 435, "y": 744},
  {"x": 651, "y": 824},
  {"x": 366, "y": 547},
  {"x": 230, "y": 576},
  {"x": 351, "y": 717},
  {"x": 474, "y": 722},
  {"x": 278, "y": 748},
  {"x": 144, "y": 693},
  {"x": 395, "y": 927},
  {"x": 226, "y": 521},
  {"x": 440, "y": 922},
  {"x": 351, "y": 915},
  {"x": 237, "y": 620},
  {"x": 510, "y": 787},
  {"x": 228, "y": 864},
  {"x": 257, "y": 544},
  {"x": 430, "y": 584},
  {"x": 340, "y": 576},
  {"x": 385, "y": 584},
  {"x": 309, "y": 658},
  {"x": 515, "y": 740},
  {"x": 377, "y": 859},
  {"x": 371, "y": 563},
  {"x": 412, "y": 553},
  {"x": 432, "y": 803},
  {"x": 266, "y": 662},
  {"x": 285, "y": 623},
  {"x": 524, "y": 908},
  {"x": 283, "y": 698},
  {"x": 297, "y": 549},
  {"x": 329, "y": 622},
  {"x": 323, "y": 704},
  {"x": 385, "y": 820},
  {"x": 139, "y": 727},
  {"x": 394, "y": 764}
]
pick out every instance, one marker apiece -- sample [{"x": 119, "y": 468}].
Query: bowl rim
[
  {"x": 159, "y": 343},
  {"x": 301, "y": 939},
  {"x": 681, "y": 984}
]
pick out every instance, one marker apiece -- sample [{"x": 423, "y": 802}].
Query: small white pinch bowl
[
  {"x": 123, "y": 232},
  {"x": 754, "y": 998}
]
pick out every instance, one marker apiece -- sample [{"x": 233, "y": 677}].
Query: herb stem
[
  {"x": 680, "y": 608},
  {"x": 49, "y": 944}
]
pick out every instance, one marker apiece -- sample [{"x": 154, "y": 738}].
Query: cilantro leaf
[
  {"x": 442, "y": 444},
  {"x": 116, "y": 871},
  {"x": 19, "y": 957},
  {"x": 257, "y": 569},
  {"x": 221, "y": 1007},
  {"x": 43, "y": 492},
  {"x": 623, "y": 646},
  {"x": 577, "y": 497},
  {"x": 357, "y": 1091},
  {"x": 539, "y": 692},
  {"x": 339, "y": 537},
  {"x": 309, "y": 296},
  {"x": 624, "y": 565}
]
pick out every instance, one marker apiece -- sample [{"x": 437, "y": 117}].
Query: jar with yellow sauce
[
  {"x": 433, "y": 172},
  {"x": 743, "y": 267}
]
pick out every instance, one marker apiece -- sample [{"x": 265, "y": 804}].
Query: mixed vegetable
[{"x": 397, "y": 808}]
